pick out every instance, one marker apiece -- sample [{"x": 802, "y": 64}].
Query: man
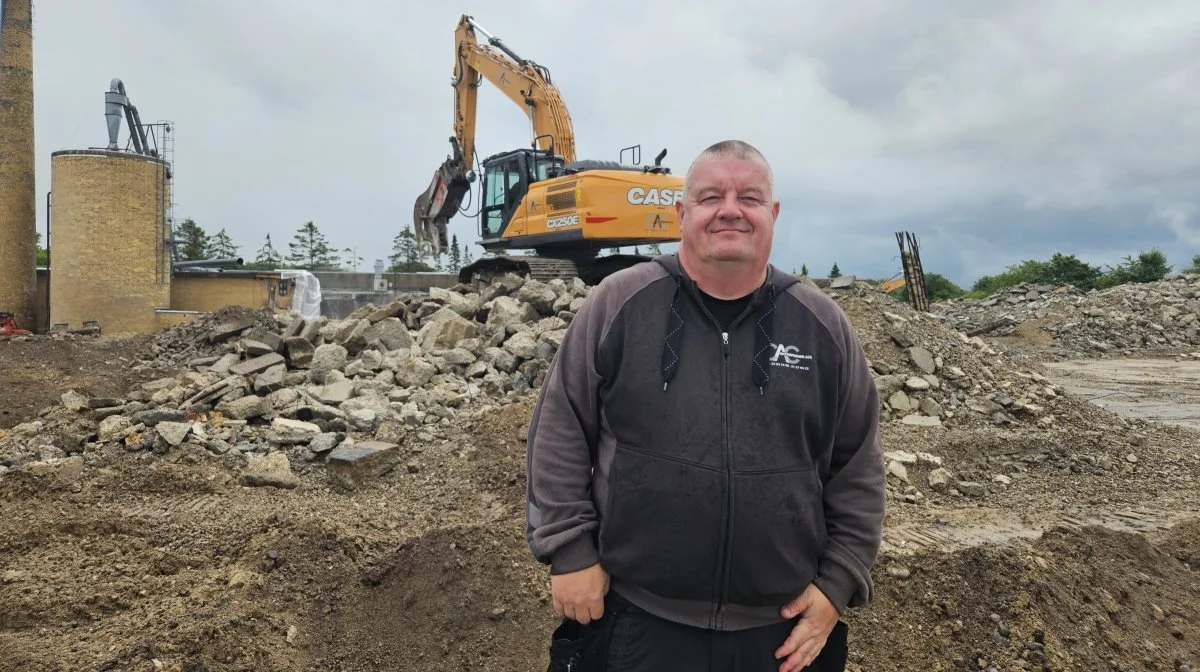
[{"x": 706, "y": 444}]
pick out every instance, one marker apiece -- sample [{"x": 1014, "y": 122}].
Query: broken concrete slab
[
  {"x": 272, "y": 470},
  {"x": 350, "y": 466},
  {"x": 257, "y": 364},
  {"x": 229, "y": 330}
]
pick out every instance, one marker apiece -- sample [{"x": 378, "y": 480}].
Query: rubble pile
[
  {"x": 346, "y": 393},
  {"x": 929, "y": 375},
  {"x": 176, "y": 346},
  {"x": 277, "y": 390},
  {"x": 1116, "y": 321}
]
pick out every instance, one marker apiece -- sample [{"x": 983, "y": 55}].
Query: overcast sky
[{"x": 992, "y": 131}]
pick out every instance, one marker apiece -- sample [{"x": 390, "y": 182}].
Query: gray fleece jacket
[{"x": 714, "y": 474}]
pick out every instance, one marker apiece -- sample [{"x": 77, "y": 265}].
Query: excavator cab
[{"x": 506, "y": 180}]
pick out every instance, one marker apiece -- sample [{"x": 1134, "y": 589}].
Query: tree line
[
  {"x": 1148, "y": 266},
  {"x": 310, "y": 250}
]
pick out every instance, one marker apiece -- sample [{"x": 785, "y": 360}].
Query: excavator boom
[
  {"x": 525, "y": 83},
  {"x": 541, "y": 197}
]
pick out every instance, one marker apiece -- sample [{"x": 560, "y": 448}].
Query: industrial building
[{"x": 109, "y": 226}]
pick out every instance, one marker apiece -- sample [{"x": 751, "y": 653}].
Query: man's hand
[
  {"x": 817, "y": 618},
  {"x": 579, "y": 596}
]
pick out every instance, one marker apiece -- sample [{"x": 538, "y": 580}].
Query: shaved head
[{"x": 736, "y": 148}]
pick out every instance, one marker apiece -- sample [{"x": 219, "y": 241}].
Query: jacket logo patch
[{"x": 790, "y": 357}]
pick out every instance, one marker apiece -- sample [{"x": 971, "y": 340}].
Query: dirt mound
[
  {"x": 35, "y": 371},
  {"x": 1075, "y": 599},
  {"x": 115, "y": 559},
  {"x": 456, "y": 599},
  {"x": 1157, "y": 317}
]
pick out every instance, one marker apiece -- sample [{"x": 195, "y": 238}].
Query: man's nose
[{"x": 730, "y": 207}]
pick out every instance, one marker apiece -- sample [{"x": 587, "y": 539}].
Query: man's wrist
[
  {"x": 837, "y": 584},
  {"x": 575, "y": 555}
]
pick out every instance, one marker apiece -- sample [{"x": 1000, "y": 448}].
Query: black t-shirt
[{"x": 726, "y": 310}]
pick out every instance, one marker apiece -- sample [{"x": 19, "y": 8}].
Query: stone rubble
[
  {"x": 354, "y": 398},
  {"x": 279, "y": 392},
  {"x": 1114, "y": 322},
  {"x": 929, "y": 375}
]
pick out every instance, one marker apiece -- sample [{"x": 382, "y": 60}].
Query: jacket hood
[
  {"x": 762, "y": 304},
  {"x": 775, "y": 277}
]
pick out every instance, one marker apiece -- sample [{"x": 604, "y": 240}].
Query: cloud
[{"x": 993, "y": 131}]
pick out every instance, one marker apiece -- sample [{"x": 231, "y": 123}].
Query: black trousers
[{"x": 628, "y": 639}]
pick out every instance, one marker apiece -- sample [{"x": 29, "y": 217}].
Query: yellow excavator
[{"x": 540, "y": 198}]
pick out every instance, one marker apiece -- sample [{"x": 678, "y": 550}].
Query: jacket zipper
[{"x": 717, "y": 615}]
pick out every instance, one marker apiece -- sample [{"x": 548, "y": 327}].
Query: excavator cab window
[
  {"x": 545, "y": 165},
  {"x": 505, "y": 184}
]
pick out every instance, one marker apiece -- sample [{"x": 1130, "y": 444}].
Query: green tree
[
  {"x": 267, "y": 257},
  {"x": 804, "y": 269},
  {"x": 221, "y": 246},
  {"x": 456, "y": 260},
  {"x": 653, "y": 249},
  {"x": 311, "y": 251},
  {"x": 938, "y": 287},
  {"x": 1149, "y": 266},
  {"x": 835, "y": 272},
  {"x": 42, "y": 254},
  {"x": 406, "y": 255},
  {"x": 1067, "y": 269},
  {"x": 192, "y": 241},
  {"x": 1195, "y": 267},
  {"x": 353, "y": 261}
]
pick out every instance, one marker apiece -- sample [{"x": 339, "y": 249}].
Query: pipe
[
  {"x": 210, "y": 263},
  {"x": 48, "y": 278}
]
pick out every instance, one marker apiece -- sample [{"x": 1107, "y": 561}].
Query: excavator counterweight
[{"x": 540, "y": 198}]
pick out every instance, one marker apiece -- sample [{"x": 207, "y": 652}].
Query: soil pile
[
  {"x": 35, "y": 370},
  {"x": 1074, "y": 599}
]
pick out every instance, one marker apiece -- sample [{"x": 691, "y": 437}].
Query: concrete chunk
[
  {"x": 257, "y": 364},
  {"x": 224, "y": 332},
  {"x": 245, "y": 408},
  {"x": 350, "y": 466},
  {"x": 256, "y": 348},
  {"x": 270, "y": 380},
  {"x": 299, "y": 351}
]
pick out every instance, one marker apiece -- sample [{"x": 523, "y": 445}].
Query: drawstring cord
[
  {"x": 763, "y": 340},
  {"x": 672, "y": 341}
]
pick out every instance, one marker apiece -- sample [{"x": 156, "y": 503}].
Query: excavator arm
[{"x": 525, "y": 83}]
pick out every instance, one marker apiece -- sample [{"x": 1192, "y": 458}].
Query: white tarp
[{"x": 306, "y": 293}]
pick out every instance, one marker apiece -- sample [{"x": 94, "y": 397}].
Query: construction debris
[
  {"x": 339, "y": 494},
  {"x": 1146, "y": 317}
]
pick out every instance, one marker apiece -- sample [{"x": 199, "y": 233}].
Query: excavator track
[{"x": 488, "y": 269}]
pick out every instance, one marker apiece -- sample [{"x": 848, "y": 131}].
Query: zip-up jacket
[{"x": 713, "y": 473}]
